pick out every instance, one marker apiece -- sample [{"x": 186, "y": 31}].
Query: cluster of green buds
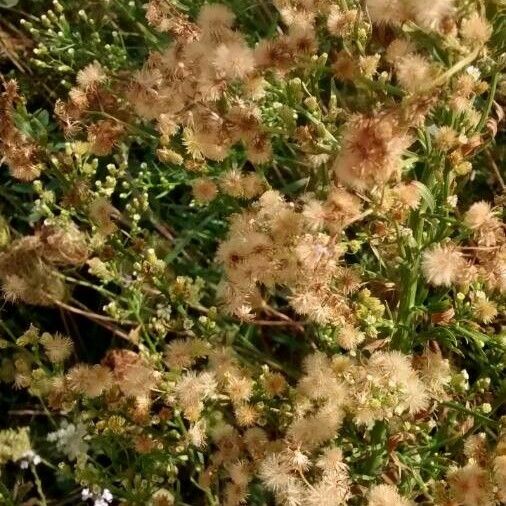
[
  {"x": 68, "y": 39},
  {"x": 161, "y": 322},
  {"x": 370, "y": 311},
  {"x": 43, "y": 206}
]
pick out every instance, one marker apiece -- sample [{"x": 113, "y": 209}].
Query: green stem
[
  {"x": 38, "y": 484},
  {"x": 403, "y": 337},
  {"x": 206, "y": 491},
  {"x": 490, "y": 101},
  {"x": 473, "y": 413}
]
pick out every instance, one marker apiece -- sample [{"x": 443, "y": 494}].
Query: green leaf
[
  {"x": 295, "y": 185},
  {"x": 426, "y": 195}
]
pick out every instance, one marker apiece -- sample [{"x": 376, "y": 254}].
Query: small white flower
[
  {"x": 70, "y": 439},
  {"x": 473, "y": 72},
  {"x": 106, "y": 495},
  {"x": 432, "y": 130},
  {"x": 452, "y": 200},
  {"x": 29, "y": 457},
  {"x": 486, "y": 408},
  {"x": 103, "y": 498},
  {"x": 86, "y": 494}
]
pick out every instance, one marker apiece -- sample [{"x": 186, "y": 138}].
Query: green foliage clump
[{"x": 252, "y": 253}]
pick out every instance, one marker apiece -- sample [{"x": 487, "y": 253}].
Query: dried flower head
[
  {"x": 204, "y": 190},
  {"x": 89, "y": 380},
  {"x": 90, "y": 76},
  {"x": 386, "y": 386},
  {"x": 391, "y": 12},
  {"x": 371, "y": 152},
  {"x": 386, "y": 495},
  {"x": 58, "y": 348},
  {"x": 233, "y": 61},
  {"x": 478, "y": 215},
  {"x": 415, "y": 73},
  {"x": 475, "y": 29},
  {"x": 399, "y": 49},
  {"x": 470, "y": 485},
  {"x": 183, "y": 353},
  {"x": 442, "y": 265},
  {"x": 215, "y": 15}
]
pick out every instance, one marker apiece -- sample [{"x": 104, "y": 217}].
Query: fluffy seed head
[
  {"x": 414, "y": 73},
  {"x": 475, "y": 29},
  {"x": 478, "y": 215},
  {"x": 234, "y": 60},
  {"x": 372, "y": 150},
  {"x": 91, "y": 76},
  {"x": 212, "y": 15},
  {"x": 91, "y": 381},
  {"x": 388, "y": 12},
  {"x": 58, "y": 348},
  {"x": 386, "y": 495},
  {"x": 442, "y": 265},
  {"x": 204, "y": 190}
]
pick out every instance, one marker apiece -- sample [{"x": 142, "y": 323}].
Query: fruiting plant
[{"x": 253, "y": 252}]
